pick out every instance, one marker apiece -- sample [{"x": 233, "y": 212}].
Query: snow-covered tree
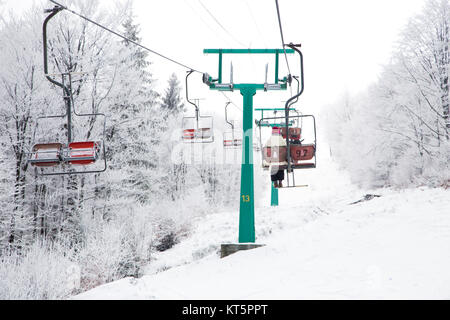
[
  {"x": 399, "y": 127},
  {"x": 171, "y": 101}
]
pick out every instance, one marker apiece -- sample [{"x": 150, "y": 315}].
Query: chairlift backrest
[
  {"x": 294, "y": 133},
  {"x": 198, "y": 131},
  {"x": 232, "y": 139},
  {"x": 188, "y": 134},
  {"x": 302, "y": 152},
  {"x": 83, "y": 153},
  {"x": 46, "y": 155},
  {"x": 203, "y": 133}
]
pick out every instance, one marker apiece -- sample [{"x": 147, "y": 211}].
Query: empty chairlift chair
[
  {"x": 82, "y": 153},
  {"x": 189, "y": 129},
  {"x": 231, "y": 139},
  {"x": 46, "y": 155},
  {"x": 198, "y": 130}
]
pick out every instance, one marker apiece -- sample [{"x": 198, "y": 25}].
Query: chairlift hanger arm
[
  {"x": 187, "y": 95},
  {"x": 53, "y": 12},
  {"x": 300, "y": 83},
  {"x": 290, "y": 100},
  {"x": 226, "y": 116},
  {"x": 298, "y": 90}
]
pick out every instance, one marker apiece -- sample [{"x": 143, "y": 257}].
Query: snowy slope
[{"x": 318, "y": 246}]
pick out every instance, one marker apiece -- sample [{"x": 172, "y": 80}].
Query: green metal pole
[
  {"x": 220, "y": 66},
  {"x": 277, "y": 63},
  {"x": 274, "y": 197},
  {"x": 247, "y": 202}
]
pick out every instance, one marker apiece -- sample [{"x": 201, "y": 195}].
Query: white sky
[{"x": 344, "y": 42}]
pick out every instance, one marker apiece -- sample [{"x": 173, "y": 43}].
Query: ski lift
[
  {"x": 53, "y": 154},
  {"x": 297, "y": 154},
  {"x": 197, "y": 129},
  {"x": 302, "y": 154},
  {"x": 230, "y": 138}
]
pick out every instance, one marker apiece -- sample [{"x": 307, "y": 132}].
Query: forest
[
  {"x": 400, "y": 125},
  {"x": 108, "y": 223}
]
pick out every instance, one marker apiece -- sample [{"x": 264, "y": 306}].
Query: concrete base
[{"x": 229, "y": 249}]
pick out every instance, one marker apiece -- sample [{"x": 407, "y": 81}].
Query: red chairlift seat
[
  {"x": 83, "y": 153},
  {"x": 188, "y": 134},
  {"x": 232, "y": 143},
  {"x": 303, "y": 166},
  {"x": 200, "y": 134},
  {"x": 46, "y": 155},
  {"x": 203, "y": 133},
  {"x": 227, "y": 143}
]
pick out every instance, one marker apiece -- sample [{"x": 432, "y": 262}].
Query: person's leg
[
  {"x": 280, "y": 177},
  {"x": 274, "y": 180}
]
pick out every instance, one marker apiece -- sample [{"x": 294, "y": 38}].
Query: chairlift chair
[
  {"x": 231, "y": 139},
  {"x": 46, "y": 155},
  {"x": 302, "y": 156},
  {"x": 83, "y": 153},
  {"x": 299, "y": 155},
  {"x": 70, "y": 154},
  {"x": 197, "y": 129}
]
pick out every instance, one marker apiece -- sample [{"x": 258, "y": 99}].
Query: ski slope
[{"x": 318, "y": 246}]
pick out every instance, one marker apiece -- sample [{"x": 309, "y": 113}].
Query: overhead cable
[{"x": 125, "y": 38}]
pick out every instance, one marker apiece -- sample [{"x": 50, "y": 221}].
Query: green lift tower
[{"x": 247, "y": 90}]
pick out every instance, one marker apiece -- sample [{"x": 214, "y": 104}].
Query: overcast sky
[{"x": 345, "y": 42}]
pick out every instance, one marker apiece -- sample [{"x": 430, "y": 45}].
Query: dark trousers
[{"x": 279, "y": 176}]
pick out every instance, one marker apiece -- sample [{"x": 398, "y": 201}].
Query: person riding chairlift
[{"x": 278, "y": 147}]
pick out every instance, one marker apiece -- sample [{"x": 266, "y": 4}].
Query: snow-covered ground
[{"x": 318, "y": 246}]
